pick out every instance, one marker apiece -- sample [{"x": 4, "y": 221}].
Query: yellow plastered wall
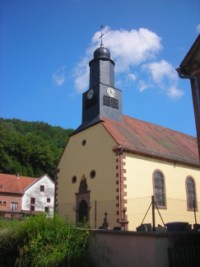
[
  {"x": 79, "y": 160},
  {"x": 139, "y": 181}
]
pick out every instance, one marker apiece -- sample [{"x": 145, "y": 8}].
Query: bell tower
[{"x": 102, "y": 99}]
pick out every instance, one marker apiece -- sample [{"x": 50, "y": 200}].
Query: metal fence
[{"x": 139, "y": 212}]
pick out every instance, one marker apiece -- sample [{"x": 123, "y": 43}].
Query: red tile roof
[
  {"x": 15, "y": 184},
  {"x": 152, "y": 140}
]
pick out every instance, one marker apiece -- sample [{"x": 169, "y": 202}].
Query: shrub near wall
[
  {"x": 8, "y": 243},
  {"x": 39, "y": 241}
]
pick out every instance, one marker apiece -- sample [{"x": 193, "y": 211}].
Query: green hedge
[{"x": 43, "y": 242}]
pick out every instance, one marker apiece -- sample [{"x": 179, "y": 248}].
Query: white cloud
[
  {"x": 161, "y": 70},
  {"x": 81, "y": 75},
  {"x": 142, "y": 85},
  {"x": 128, "y": 48},
  {"x": 59, "y": 76},
  {"x": 132, "y": 49},
  {"x": 174, "y": 93},
  {"x": 132, "y": 76},
  {"x": 198, "y": 28},
  {"x": 165, "y": 76}
]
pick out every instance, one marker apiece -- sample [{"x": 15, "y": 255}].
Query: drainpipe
[{"x": 196, "y": 99}]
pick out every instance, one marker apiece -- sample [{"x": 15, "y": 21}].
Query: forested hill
[{"x": 30, "y": 148}]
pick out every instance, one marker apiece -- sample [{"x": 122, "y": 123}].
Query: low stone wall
[
  {"x": 128, "y": 249},
  {"x": 145, "y": 249}
]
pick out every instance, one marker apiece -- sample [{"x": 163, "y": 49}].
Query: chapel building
[{"x": 113, "y": 164}]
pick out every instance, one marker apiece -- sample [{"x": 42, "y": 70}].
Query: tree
[{"x": 30, "y": 148}]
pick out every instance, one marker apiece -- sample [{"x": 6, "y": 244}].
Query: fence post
[
  {"x": 153, "y": 213},
  {"x": 95, "y": 214},
  {"x": 194, "y": 206}
]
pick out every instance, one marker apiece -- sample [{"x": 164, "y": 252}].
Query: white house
[
  {"x": 21, "y": 195},
  {"x": 40, "y": 196}
]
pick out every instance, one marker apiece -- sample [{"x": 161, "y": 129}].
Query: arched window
[
  {"x": 191, "y": 194},
  {"x": 159, "y": 189}
]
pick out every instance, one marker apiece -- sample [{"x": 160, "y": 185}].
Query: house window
[
  {"x": 2, "y": 203},
  {"x": 32, "y": 208},
  {"x": 32, "y": 200},
  {"x": 191, "y": 194},
  {"x": 159, "y": 189},
  {"x": 42, "y": 188},
  {"x": 48, "y": 200},
  {"x": 14, "y": 205},
  {"x": 47, "y": 209}
]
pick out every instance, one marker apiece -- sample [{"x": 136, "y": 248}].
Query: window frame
[
  {"x": 42, "y": 188},
  {"x": 164, "y": 199},
  {"x": 32, "y": 208},
  {"x": 47, "y": 209},
  {"x": 190, "y": 205},
  {"x": 2, "y": 203},
  {"x": 32, "y": 200},
  {"x": 14, "y": 205}
]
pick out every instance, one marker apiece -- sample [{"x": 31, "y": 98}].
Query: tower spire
[{"x": 102, "y": 99}]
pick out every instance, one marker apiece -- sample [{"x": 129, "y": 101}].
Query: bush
[
  {"x": 8, "y": 243},
  {"x": 43, "y": 242}
]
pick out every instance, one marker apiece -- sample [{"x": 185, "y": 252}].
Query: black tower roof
[
  {"x": 101, "y": 52},
  {"x": 102, "y": 99}
]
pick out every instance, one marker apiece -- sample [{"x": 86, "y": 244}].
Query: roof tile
[
  {"x": 153, "y": 140},
  {"x": 15, "y": 184}
]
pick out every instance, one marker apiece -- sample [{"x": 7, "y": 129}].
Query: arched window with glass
[
  {"x": 191, "y": 194},
  {"x": 159, "y": 189}
]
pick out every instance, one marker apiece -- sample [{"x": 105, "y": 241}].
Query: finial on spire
[{"x": 102, "y": 34}]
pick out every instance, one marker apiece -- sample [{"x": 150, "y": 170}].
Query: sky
[{"x": 46, "y": 46}]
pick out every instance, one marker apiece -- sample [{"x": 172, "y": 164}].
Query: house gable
[
  {"x": 43, "y": 194},
  {"x": 88, "y": 155}
]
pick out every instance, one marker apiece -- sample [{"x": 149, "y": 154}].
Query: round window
[
  {"x": 84, "y": 142},
  {"x": 74, "y": 178},
  {"x": 92, "y": 174}
]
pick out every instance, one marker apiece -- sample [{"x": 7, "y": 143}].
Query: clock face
[
  {"x": 90, "y": 94},
  {"x": 111, "y": 92}
]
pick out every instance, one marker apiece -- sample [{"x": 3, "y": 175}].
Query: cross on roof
[{"x": 101, "y": 36}]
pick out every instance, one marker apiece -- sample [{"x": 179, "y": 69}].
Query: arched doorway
[
  {"x": 83, "y": 211},
  {"x": 83, "y": 201}
]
